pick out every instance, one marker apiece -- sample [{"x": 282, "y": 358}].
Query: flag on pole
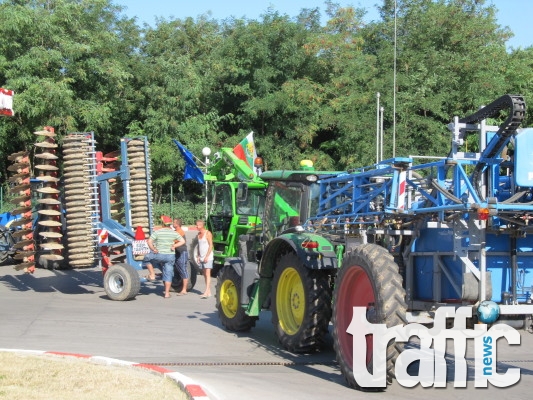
[
  {"x": 192, "y": 171},
  {"x": 245, "y": 150}
]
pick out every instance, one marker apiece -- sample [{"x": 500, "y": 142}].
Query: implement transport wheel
[
  {"x": 228, "y": 300},
  {"x": 122, "y": 282},
  {"x": 368, "y": 278},
  {"x": 301, "y": 305}
]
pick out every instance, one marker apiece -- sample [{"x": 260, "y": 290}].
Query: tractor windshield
[
  {"x": 286, "y": 207},
  {"x": 253, "y": 204}
]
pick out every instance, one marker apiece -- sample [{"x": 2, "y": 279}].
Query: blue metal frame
[{"x": 122, "y": 234}]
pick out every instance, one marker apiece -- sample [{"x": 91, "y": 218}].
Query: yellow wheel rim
[
  {"x": 290, "y": 301},
  {"x": 229, "y": 298}
]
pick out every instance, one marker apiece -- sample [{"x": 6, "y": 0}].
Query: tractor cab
[{"x": 236, "y": 208}]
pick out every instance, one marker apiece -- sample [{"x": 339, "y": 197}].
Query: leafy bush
[{"x": 187, "y": 211}]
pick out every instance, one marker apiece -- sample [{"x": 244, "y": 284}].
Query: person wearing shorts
[
  {"x": 204, "y": 255},
  {"x": 162, "y": 244}
]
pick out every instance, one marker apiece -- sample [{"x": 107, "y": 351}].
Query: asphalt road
[{"x": 68, "y": 311}]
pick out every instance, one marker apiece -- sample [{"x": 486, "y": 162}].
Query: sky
[{"x": 516, "y": 14}]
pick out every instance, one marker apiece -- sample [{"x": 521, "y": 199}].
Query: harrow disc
[
  {"x": 17, "y": 167},
  {"x": 48, "y": 190},
  {"x": 24, "y": 255},
  {"x": 45, "y": 133},
  {"x": 50, "y": 234},
  {"x": 53, "y": 213},
  {"x": 49, "y": 223},
  {"x": 46, "y": 167},
  {"x": 51, "y": 246},
  {"x": 49, "y": 201},
  {"x": 26, "y": 245},
  {"x": 46, "y": 156},
  {"x": 16, "y": 157},
  {"x": 46, "y": 145},
  {"x": 23, "y": 233}
]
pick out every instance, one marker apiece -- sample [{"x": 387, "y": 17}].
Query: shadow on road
[{"x": 64, "y": 281}]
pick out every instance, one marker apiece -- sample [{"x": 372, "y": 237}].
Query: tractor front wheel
[
  {"x": 301, "y": 305},
  {"x": 228, "y": 299},
  {"x": 368, "y": 278}
]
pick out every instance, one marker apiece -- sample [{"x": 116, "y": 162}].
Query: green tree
[
  {"x": 519, "y": 77},
  {"x": 177, "y": 99},
  {"x": 70, "y": 64},
  {"x": 449, "y": 58}
]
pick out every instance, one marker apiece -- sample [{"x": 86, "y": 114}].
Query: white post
[
  {"x": 377, "y": 128},
  {"x": 381, "y": 150},
  {"x": 206, "y": 199}
]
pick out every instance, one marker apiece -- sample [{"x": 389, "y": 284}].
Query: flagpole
[{"x": 206, "y": 151}]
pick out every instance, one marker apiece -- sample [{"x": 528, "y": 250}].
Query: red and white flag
[{"x": 6, "y": 102}]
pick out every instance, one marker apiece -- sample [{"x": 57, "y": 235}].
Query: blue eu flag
[{"x": 192, "y": 171}]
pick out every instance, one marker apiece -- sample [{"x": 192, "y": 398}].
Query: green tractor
[
  {"x": 281, "y": 267},
  {"x": 237, "y": 204}
]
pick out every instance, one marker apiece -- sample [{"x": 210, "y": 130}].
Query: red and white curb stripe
[{"x": 193, "y": 390}]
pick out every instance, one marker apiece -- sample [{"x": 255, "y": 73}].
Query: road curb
[{"x": 193, "y": 390}]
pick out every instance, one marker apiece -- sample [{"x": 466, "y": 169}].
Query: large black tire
[
  {"x": 6, "y": 240},
  {"x": 228, "y": 301},
  {"x": 369, "y": 278},
  {"x": 177, "y": 282},
  {"x": 301, "y": 305},
  {"x": 122, "y": 282}
]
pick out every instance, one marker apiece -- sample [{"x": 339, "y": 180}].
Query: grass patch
[{"x": 32, "y": 377}]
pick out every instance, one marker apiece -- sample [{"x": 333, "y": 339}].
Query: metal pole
[
  {"x": 206, "y": 164},
  {"x": 394, "y": 91},
  {"x": 171, "y": 201},
  {"x": 381, "y": 141},
  {"x": 206, "y": 151},
  {"x": 482, "y": 261},
  {"x": 377, "y": 128}
]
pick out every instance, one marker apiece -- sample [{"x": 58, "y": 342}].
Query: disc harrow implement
[
  {"x": 24, "y": 249},
  {"x": 80, "y": 197},
  {"x": 138, "y": 160},
  {"x": 87, "y": 208},
  {"x": 48, "y": 232}
]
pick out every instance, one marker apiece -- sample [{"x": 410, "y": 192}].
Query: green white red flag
[{"x": 245, "y": 150}]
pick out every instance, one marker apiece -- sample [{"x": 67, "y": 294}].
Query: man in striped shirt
[{"x": 162, "y": 244}]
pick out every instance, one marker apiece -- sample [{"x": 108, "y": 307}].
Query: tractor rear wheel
[
  {"x": 122, "y": 282},
  {"x": 368, "y": 278},
  {"x": 301, "y": 305},
  {"x": 6, "y": 241},
  {"x": 228, "y": 300}
]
